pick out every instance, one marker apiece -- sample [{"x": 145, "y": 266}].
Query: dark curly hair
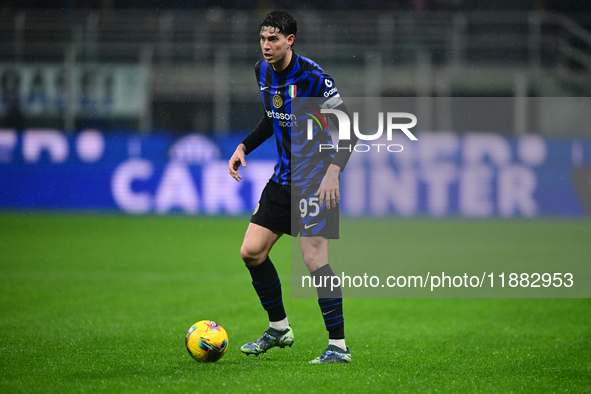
[{"x": 282, "y": 21}]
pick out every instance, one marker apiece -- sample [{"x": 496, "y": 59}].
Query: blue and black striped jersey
[{"x": 290, "y": 97}]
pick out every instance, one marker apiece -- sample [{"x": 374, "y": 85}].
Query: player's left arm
[{"x": 329, "y": 187}]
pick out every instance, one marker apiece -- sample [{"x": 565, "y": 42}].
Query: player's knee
[
  {"x": 312, "y": 264},
  {"x": 250, "y": 255},
  {"x": 315, "y": 256},
  {"x": 311, "y": 259}
]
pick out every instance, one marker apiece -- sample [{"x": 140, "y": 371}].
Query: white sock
[
  {"x": 280, "y": 325},
  {"x": 338, "y": 343}
]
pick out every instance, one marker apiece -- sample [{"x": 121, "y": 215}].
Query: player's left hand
[{"x": 329, "y": 188}]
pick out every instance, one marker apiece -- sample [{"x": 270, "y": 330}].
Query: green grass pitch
[{"x": 102, "y": 304}]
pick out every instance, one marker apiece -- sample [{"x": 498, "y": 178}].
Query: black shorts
[{"x": 282, "y": 208}]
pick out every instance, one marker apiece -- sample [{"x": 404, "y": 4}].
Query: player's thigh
[
  {"x": 274, "y": 208},
  {"x": 314, "y": 251},
  {"x": 257, "y": 243}
]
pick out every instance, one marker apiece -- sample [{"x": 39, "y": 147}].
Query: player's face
[{"x": 275, "y": 47}]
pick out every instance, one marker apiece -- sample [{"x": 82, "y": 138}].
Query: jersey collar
[{"x": 289, "y": 67}]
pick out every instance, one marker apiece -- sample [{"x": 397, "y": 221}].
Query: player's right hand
[{"x": 237, "y": 159}]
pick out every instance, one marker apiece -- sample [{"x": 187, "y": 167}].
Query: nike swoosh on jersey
[
  {"x": 326, "y": 313},
  {"x": 307, "y": 226},
  {"x": 264, "y": 87}
]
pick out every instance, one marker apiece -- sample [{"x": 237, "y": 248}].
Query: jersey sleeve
[
  {"x": 330, "y": 99},
  {"x": 329, "y": 94},
  {"x": 264, "y": 129},
  {"x": 257, "y": 72},
  {"x": 260, "y": 134}
]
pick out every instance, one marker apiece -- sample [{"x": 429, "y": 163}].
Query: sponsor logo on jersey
[
  {"x": 277, "y": 101},
  {"x": 281, "y": 115},
  {"x": 331, "y": 92},
  {"x": 333, "y": 89},
  {"x": 284, "y": 120}
]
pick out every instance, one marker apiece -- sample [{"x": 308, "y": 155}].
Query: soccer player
[{"x": 302, "y": 196}]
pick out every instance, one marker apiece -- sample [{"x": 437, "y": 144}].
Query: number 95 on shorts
[{"x": 312, "y": 219}]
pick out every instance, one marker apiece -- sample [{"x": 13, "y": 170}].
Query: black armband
[{"x": 260, "y": 134}]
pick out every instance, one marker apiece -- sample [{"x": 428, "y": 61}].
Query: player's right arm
[
  {"x": 236, "y": 160},
  {"x": 260, "y": 134}
]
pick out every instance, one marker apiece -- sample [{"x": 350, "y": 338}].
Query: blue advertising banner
[{"x": 469, "y": 175}]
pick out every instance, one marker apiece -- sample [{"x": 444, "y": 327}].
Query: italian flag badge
[{"x": 293, "y": 91}]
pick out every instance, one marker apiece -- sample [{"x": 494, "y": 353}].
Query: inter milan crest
[{"x": 277, "y": 101}]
